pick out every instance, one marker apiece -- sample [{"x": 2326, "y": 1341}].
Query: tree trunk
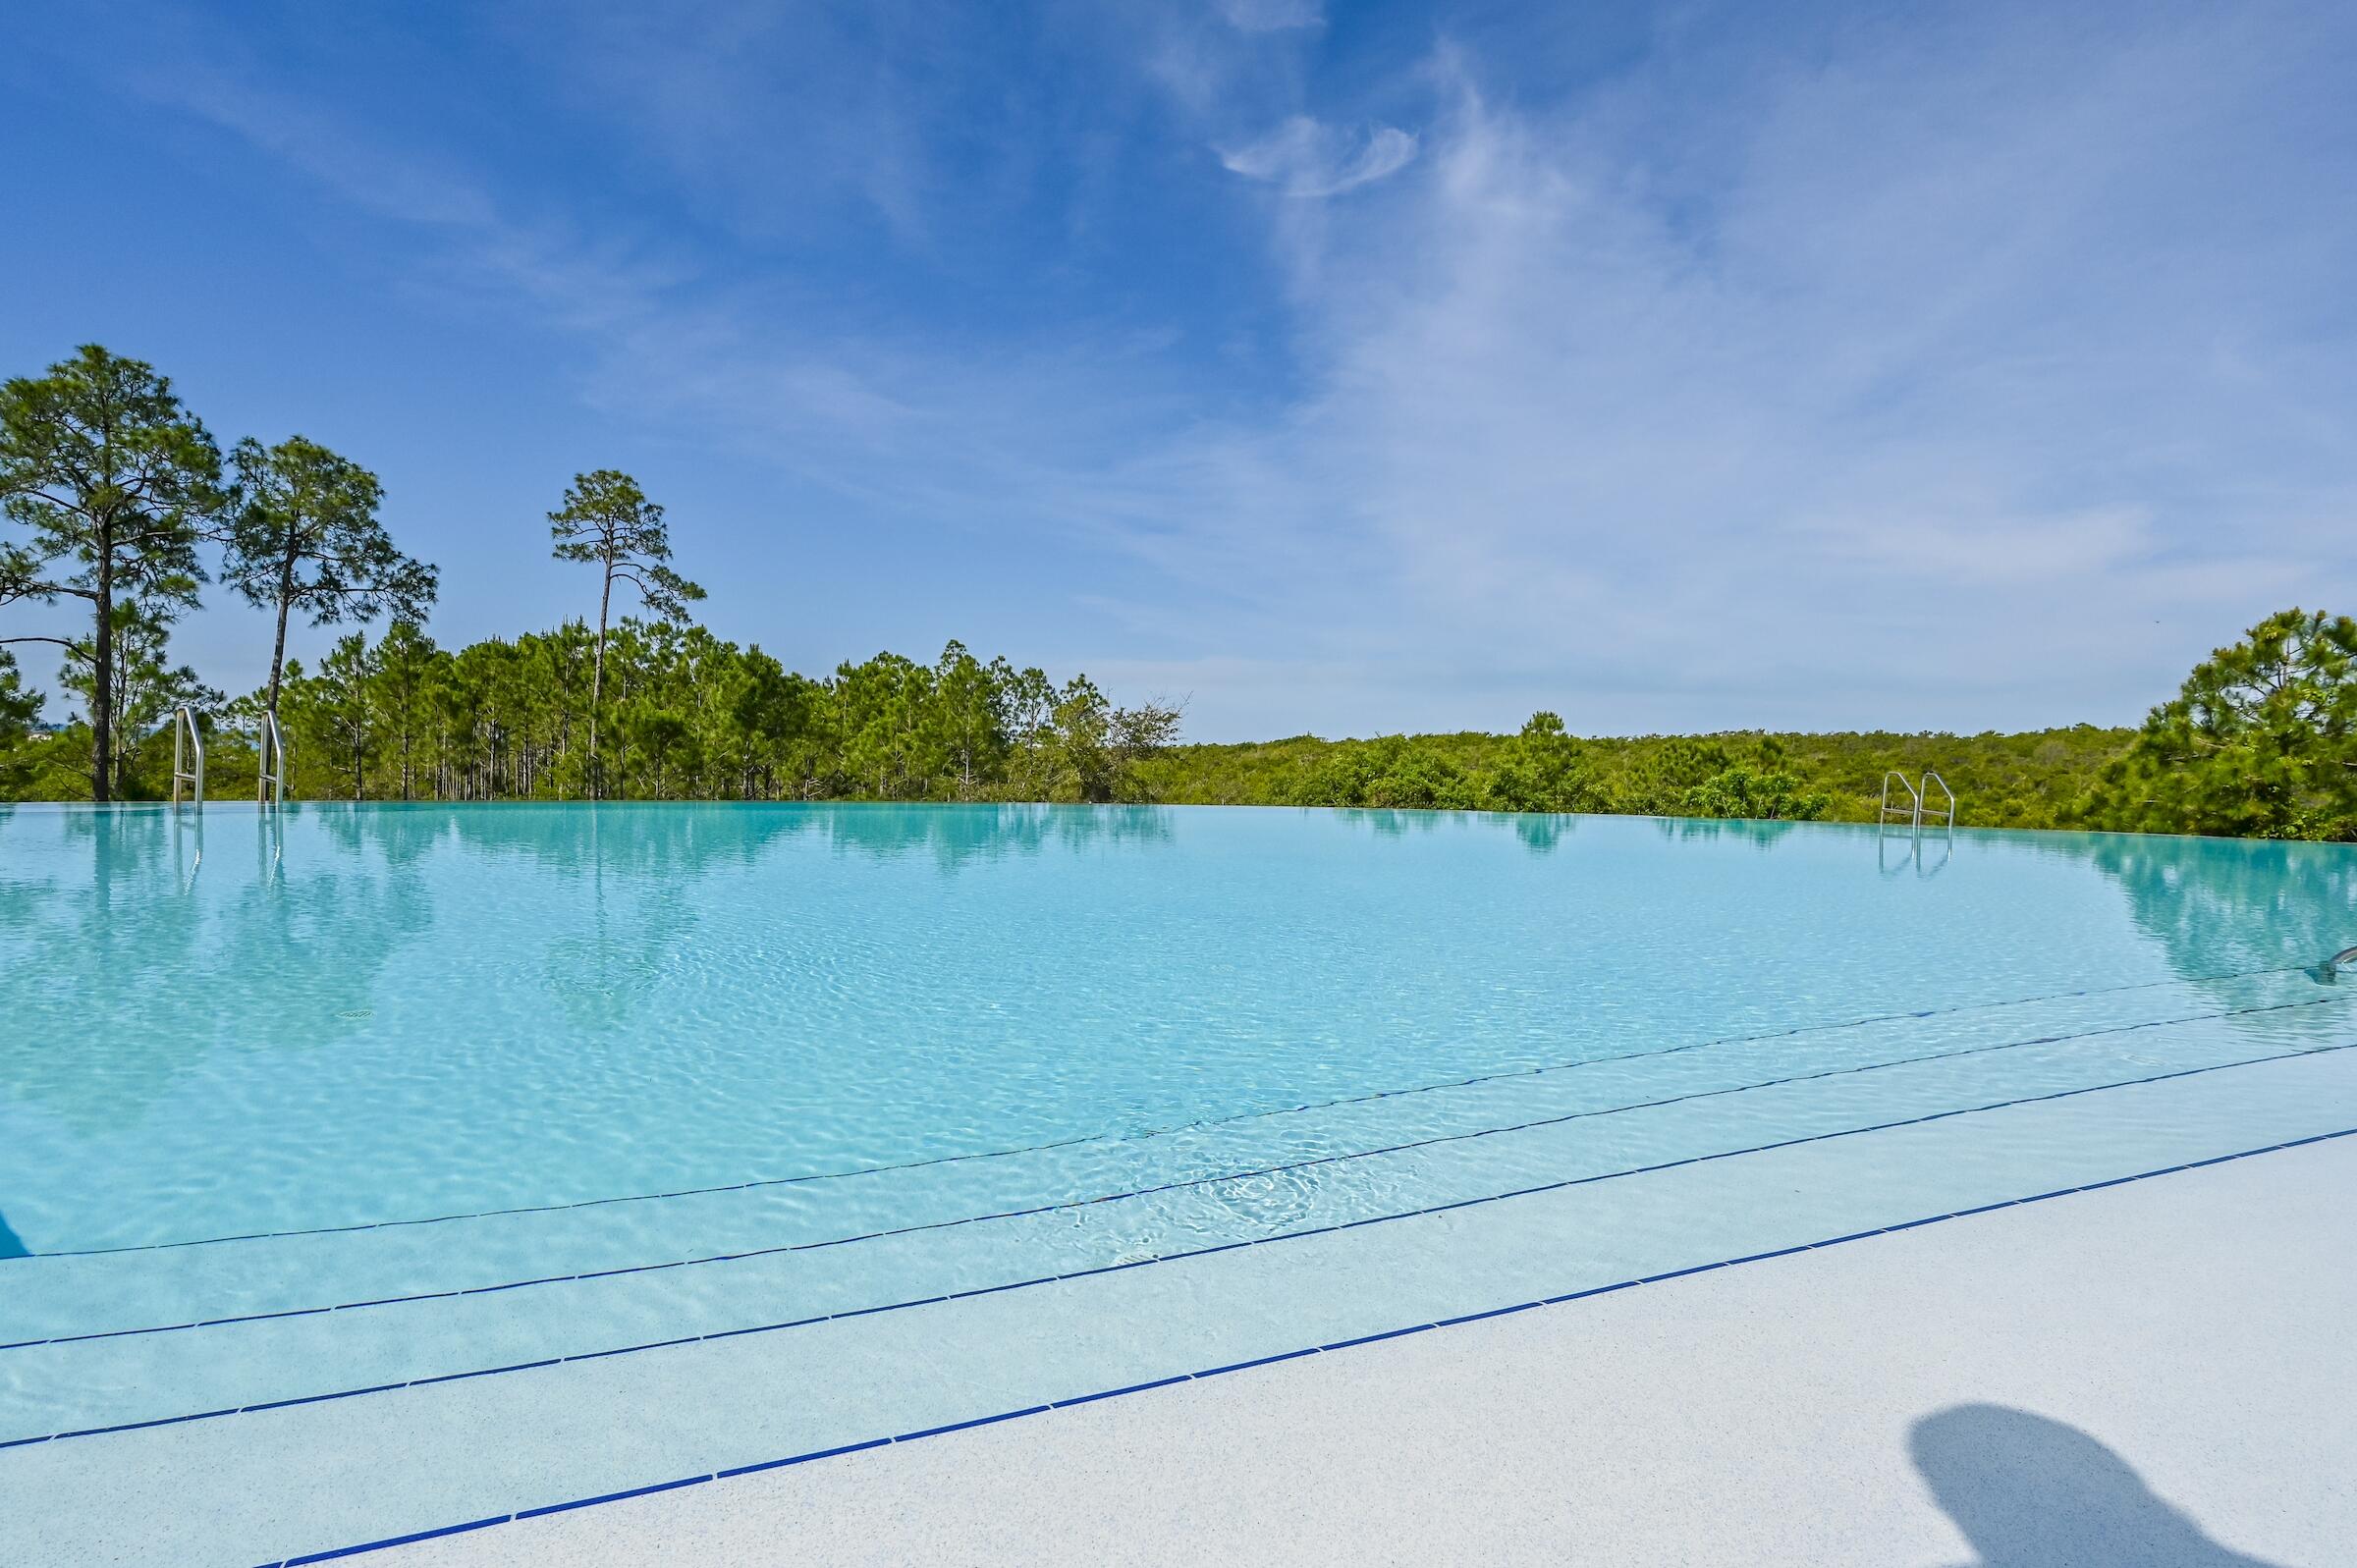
[
  {"x": 126, "y": 747},
  {"x": 279, "y": 649},
  {"x": 597, "y": 679},
  {"x": 102, "y": 675}
]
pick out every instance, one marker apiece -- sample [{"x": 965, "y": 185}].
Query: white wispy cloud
[
  {"x": 1937, "y": 387},
  {"x": 1303, "y": 157},
  {"x": 1973, "y": 373}
]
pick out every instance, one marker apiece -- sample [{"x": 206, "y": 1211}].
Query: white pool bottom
[{"x": 2195, "y": 1326}]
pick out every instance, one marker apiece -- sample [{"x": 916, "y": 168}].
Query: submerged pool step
[
  {"x": 314, "y": 1477},
  {"x": 93, "y": 1382},
  {"x": 147, "y": 1289}
]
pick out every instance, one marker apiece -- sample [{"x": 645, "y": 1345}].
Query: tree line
[
  {"x": 2260, "y": 743},
  {"x": 681, "y": 714},
  {"x": 117, "y": 489}
]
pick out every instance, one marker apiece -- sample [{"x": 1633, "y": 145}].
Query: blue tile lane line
[
  {"x": 1142, "y": 1262},
  {"x": 1164, "y": 1132},
  {"x": 1314, "y": 1350},
  {"x": 750, "y": 1254}
]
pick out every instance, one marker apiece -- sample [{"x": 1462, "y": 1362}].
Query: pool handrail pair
[
  {"x": 1911, "y": 809},
  {"x": 188, "y": 744}
]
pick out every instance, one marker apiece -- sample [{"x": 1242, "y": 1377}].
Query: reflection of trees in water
[
  {"x": 401, "y": 832},
  {"x": 1387, "y": 822},
  {"x": 115, "y": 987},
  {"x": 637, "y": 868},
  {"x": 649, "y": 840},
  {"x": 957, "y": 836},
  {"x": 92, "y": 968},
  {"x": 1762, "y": 835},
  {"x": 2222, "y": 906},
  {"x": 120, "y": 979},
  {"x": 687, "y": 841},
  {"x": 21, "y": 900},
  {"x": 640, "y": 864},
  {"x": 1539, "y": 831},
  {"x": 638, "y": 920}
]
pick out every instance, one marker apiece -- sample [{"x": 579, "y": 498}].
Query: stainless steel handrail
[
  {"x": 269, "y": 783},
  {"x": 1912, "y": 812},
  {"x": 185, "y": 741},
  {"x": 1930, "y": 778}
]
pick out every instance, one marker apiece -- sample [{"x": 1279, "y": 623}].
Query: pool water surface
[{"x": 380, "y": 1170}]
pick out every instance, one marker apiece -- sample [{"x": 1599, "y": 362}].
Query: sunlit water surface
[{"x": 672, "y": 1073}]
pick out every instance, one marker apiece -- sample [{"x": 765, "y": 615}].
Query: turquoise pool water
[{"x": 372, "y": 1170}]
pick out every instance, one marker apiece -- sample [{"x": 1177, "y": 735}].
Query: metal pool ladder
[
  {"x": 1911, "y": 810},
  {"x": 184, "y": 741},
  {"x": 270, "y": 782}
]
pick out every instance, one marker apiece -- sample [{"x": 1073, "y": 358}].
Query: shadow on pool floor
[{"x": 2030, "y": 1493}]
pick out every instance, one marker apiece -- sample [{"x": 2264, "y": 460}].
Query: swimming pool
[{"x": 383, "y": 1169}]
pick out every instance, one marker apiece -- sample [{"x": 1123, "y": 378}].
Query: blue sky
[{"x": 1333, "y": 368}]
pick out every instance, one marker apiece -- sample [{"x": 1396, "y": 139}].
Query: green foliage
[
  {"x": 143, "y": 689},
  {"x": 608, "y": 523},
  {"x": 1093, "y": 747},
  {"x": 1763, "y": 790},
  {"x": 1660, "y": 781},
  {"x": 1546, "y": 770},
  {"x": 401, "y": 691},
  {"x": 691, "y": 716},
  {"x": 1390, "y": 771},
  {"x": 1756, "y": 796},
  {"x": 334, "y": 714},
  {"x": 2260, "y": 743},
  {"x": 19, "y": 709},
  {"x": 116, "y": 483},
  {"x": 2020, "y": 780},
  {"x": 304, "y": 540}
]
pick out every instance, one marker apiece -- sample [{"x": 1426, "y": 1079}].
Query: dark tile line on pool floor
[
  {"x": 471, "y": 1525},
  {"x": 262, "y": 1406},
  {"x": 785, "y": 1249},
  {"x": 1165, "y": 1132}
]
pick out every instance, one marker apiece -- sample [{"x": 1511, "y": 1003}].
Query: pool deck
[{"x": 2155, "y": 1375}]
